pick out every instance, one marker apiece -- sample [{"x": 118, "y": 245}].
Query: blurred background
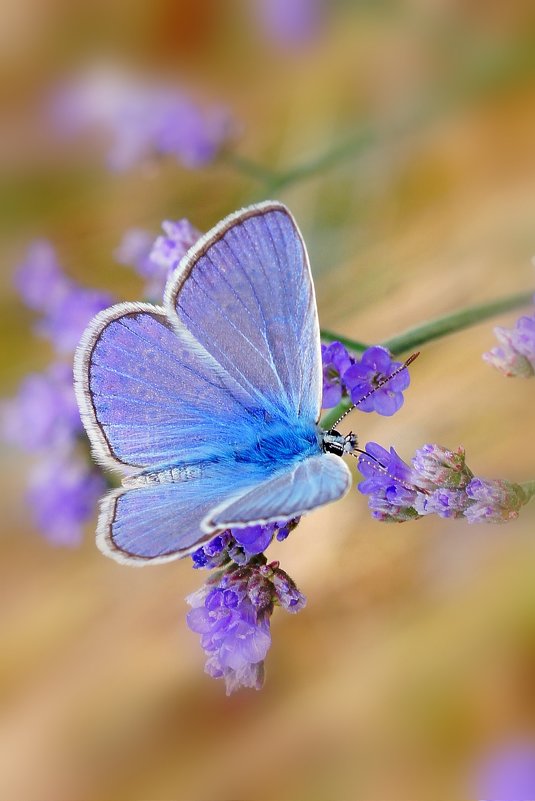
[{"x": 401, "y": 136}]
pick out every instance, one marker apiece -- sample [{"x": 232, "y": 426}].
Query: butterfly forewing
[{"x": 246, "y": 294}]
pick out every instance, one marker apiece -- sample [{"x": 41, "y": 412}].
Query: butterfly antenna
[
  {"x": 380, "y": 384},
  {"x": 410, "y": 488}
]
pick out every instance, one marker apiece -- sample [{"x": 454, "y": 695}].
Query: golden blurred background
[{"x": 411, "y": 125}]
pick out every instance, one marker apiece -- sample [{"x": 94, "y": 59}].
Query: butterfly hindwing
[{"x": 313, "y": 482}]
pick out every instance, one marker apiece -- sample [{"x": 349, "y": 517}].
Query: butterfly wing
[
  {"x": 237, "y": 341},
  {"x": 166, "y": 521},
  {"x": 315, "y": 481},
  {"x": 245, "y": 292}
]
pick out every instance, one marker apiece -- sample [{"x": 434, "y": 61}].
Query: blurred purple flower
[
  {"x": 65, "y": 323},
  {"x": 66, "y": 307},
  {"x": 168, "y": 250},
  {"x": 336, "y": 360},
  {"x": 154, "y": 259},
  {"x": 506, "y": 774},
  {"x": 290, "y": 22},
  {"x": 44, "y": 413},
  {"x": 515, "y": 355},
  {"x": 62, "y": 495},
  {"x": 140, "y": 119},
  {"x": 134, "y": 251},
  {"x": 40, "y": 280},
  {"x": 232, "y": 614},
  {"x": 366, "y": 375}
]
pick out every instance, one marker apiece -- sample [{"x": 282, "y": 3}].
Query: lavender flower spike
[
  {"x": 232, "y": 614},
  {"x": 495, "y": 501},
  {"x": 515, "y": 355},
  {"x": 439, "y": 483}
]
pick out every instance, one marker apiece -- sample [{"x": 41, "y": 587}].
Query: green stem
[
  {"x": 350, "y": 344},
  {"x": 450, "y": 323},
  {"x": 330, "y": 418},
  {"x": 482, "y": 71},
  {"x": 529, "y": 489},
  {"x": 249, "y": 168}
]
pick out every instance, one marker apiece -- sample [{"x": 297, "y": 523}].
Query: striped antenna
[{"x": 380, "y": 384}]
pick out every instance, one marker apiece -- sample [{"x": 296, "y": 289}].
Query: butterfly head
[{"x": 339, "y": 444}]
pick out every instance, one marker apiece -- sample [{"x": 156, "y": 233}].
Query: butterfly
[{"x": 209, "y": 405}]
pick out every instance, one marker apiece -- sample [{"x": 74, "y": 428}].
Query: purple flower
[
  {"x": 439, "y": 483},
  {"x": 388, "y": 481},
  {"x": 232, "y": 614},
  {"x": 444, "y": 502},
  {"x": 189, "y": 133},
  {"x": 168, "y": 250},
  {"x": 62, "y": 494},
  {"x": 515, "y": 355},
  {"x": 254, "y": 539},
  {"x": 239, "y": 545},
  {"x": 134, "y": 251},
  {"x": 44, "y": 413},
  {"x": 290, "y": 23},
  {"x": 66, "y": 307},
  {"x": 156, "y": 259},
  {"x": 65, "y": 323},
  {"x": 438, "y": 466},
  {"x": 214, "y": 553},
  {"x": 40, "y": 281},
  {"x": 141, "y": 120},
  {"x": 336, "y": 360},
  {"x": 367, "y": 374},
  {"x": 495, "y": 501},
  {"x": 507, "y": 773}
]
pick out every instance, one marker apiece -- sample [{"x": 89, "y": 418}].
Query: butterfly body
[{"x": 209, "y": 405}]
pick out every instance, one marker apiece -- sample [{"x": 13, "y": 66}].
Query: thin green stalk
[
  {"x": 481, "y": 72},
  {"x": 330, "y": 418},
  {"x": 450, "y": 323},
  {"x": 250, "y": 168},
  {"x": 350, "y": 344}
]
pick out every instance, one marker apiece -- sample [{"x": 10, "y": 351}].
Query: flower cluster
[
  {"x": 290, "y": 24},
  {"x": 363, "y": 380},
  {"x": 506, "y": 772},
  {"x": 140, "y": 119},
  {"x": 156, "y": 260},
  {"x": 232, "y": 611},
  {"x": 515, "y": 354},
  {"x": 438, "y": 482},
  {"x": 43, "y": 418}
]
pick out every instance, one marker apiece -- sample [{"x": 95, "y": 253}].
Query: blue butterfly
[{"x": 209, "y": 405}]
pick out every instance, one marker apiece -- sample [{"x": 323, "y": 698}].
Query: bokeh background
[{"x": 401, "y": 135}]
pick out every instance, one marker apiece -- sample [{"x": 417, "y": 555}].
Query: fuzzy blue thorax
[{"x": 277, "y": 443}]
